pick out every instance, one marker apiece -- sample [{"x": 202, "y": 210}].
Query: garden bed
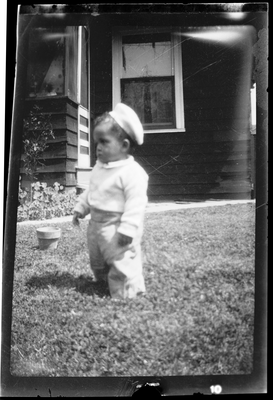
[{"x": 196, "y": 318}]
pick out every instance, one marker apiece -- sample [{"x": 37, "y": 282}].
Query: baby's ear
[{"x": 126, "y": 144}]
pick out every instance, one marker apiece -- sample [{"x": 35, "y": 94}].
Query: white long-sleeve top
[{"x": 119, "y": 186}]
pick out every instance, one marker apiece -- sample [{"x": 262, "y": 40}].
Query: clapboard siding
[
  {"x": 216, "y": 148},
  {"x": 60, "y": 150},
  {"x": 58, "y": 165},
  {"x": 195, "y": 197},
  {"x": 197, "y": 137},
  {"x": 60, "y": 158},
  {"x": 193, "y": 178},
  {"x": 205, "y": 92},
  {"x": 56, "y": 105},
  {"x": 197, "y": 168},
  {"x": 66, "y": 179},
  {"x": 158, "y": 161},
  {"x": 203, "y": 101},
  {"x": 211, "y": 159},
  {"x": 216, "y": 113},
  {"x": 49, "y": 178},
  {"x": 61, "y": 121},
  {"x": 216, "y": 169},
  {"x": 211, "y": 126},
  {"x": 188, "y": 189},
  {"x": 64, "y": 135}
]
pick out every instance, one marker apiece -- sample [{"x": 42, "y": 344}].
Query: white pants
[{"x": 120, "y": 266}]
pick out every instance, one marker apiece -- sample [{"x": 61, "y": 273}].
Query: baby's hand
[
  {"x": 124, "y": 240},
  {"x": 76, "y": 217}
]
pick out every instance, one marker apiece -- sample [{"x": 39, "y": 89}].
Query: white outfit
[{"x": 116, "y": 198}]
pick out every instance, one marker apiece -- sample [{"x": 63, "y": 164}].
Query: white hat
[{"x": 128, "y": 121}]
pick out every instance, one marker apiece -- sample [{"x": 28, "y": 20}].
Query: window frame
[
  {"x": 117, "y": 34},
  {"x": 84, "y": 159},
  {"x": 156, "y": 79}
]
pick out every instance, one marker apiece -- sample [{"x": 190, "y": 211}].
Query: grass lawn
[{"x": 196, "y": 318}]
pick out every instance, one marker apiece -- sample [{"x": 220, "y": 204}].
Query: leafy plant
[
  {"x": 23, "y": 194},
  {"x": 45, "y": 202},
  {"x": 37, "y": 130}
]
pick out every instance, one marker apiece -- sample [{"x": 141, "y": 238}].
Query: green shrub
[
  {"x": 37, "y": 131},
  {"x": 45, "y": 202}
]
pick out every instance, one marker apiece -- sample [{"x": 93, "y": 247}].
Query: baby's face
[{"x": 109, "y": 147}]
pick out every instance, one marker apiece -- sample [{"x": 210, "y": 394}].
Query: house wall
[
  {"x": 212, "y": 158},
  {"x": 60, "y": 157}
]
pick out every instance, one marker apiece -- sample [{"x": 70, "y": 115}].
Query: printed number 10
[{"x": 217, "y": 389}]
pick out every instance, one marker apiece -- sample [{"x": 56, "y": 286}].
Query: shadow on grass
[{"x": 82, "y": 284}]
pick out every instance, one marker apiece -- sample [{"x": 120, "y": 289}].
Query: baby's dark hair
[{"x": 119, "y": 132}]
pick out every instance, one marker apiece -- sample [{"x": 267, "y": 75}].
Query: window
[
  {"x": 147, "y": 76},
  {"x": 53, "y": 62},
  {"x": 45, "y": 75}
]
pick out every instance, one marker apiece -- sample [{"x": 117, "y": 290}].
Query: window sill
[
  {"x": 83, "y": 168},
  {"x": 164, "y": 130},
  {"x": 57, "y": 97}
]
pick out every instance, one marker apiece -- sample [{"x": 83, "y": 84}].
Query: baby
[{"x": 116, "y": 198}]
